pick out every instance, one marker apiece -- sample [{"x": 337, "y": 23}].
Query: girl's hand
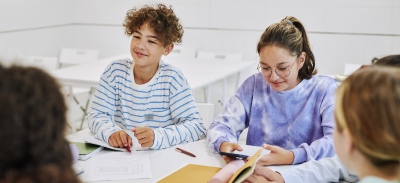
[
  {"x": 267, "y": 173},
  {"x": 256, "y": 178},
  {"x": 229, "y": 147},
  {"x": 278, "y": 156}
]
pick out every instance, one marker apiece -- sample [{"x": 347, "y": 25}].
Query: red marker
[{"x": 128, "y": 148}]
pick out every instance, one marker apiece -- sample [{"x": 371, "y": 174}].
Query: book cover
[
  {"x": 191, "y": 173},
  {"x": 200, "y": 173},
  {"x": 87, "y": 150}
]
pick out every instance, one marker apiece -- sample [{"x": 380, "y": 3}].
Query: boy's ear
[{"x": 168, "y": 49}]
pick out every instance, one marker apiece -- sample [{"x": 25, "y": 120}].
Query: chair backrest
[
  {"x": 206, "y": 111},
  {"x": 46, "y": 63},
  {"x": 71, "y": 56},
  {"x": 183, "y": 52},
  {"x": 179, "y": 53},
  {"x": 219, "y": 56},
  {"x": 350, "y": 68}
]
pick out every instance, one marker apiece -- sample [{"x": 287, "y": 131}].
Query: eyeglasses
[{"x": 281, "y": 72}]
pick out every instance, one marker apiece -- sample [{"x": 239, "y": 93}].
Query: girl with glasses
[
  {"x": 332, "y": 169},
  {"x": 287, "y": 108}
]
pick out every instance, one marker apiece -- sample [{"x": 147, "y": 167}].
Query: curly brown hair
[
  {"x": 161, "y": 18},
  {"x": 32, "y": 125}
]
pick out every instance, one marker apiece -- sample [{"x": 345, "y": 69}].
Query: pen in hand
[
  {"x": 128, "y": 148},
  {"x": 185, "y": 152}
]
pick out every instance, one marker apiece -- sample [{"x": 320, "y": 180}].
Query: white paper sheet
[{"x": 118, "y": 166}]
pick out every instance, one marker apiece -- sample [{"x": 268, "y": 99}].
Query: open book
[
  {"x": 247, "y": 169},
  {"x": 199, "y": 173}
]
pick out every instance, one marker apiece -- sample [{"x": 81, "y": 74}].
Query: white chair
[
  {"x": 350, "y": 68},
  {"x": 70, "y": 57},
  {"x": 219, "y": 55},
  {"x": 46, "y": 63},
  {"x": 180, "y": 52},
  {"x": 206, "y": 111}
]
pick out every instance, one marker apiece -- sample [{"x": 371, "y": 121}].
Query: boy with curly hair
[{"x": 146, "y": 95}]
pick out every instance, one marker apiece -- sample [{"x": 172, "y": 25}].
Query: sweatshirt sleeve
[
  {"x": 188, "y": 125},
  {"x": 322, "y": 147},
  {"x": 328, "y": 170},
  {"x": 233, "y": 119},
  {"x": 103, "y": 106}
]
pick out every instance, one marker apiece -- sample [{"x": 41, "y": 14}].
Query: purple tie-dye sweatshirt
[{"x": 300, "y": 119}]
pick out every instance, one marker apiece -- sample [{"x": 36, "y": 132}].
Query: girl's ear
[
  {"x": 168, "y": 49},
  {"x": 301, "y": 59}
]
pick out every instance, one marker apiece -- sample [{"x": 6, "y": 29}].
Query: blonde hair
[{"x": 368, "y": 106}]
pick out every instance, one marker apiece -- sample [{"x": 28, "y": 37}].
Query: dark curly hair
[
  {"x": 32, "y": 127},
  {"x": 161, "y": 18},
  {"x": 291, "y": 35}
]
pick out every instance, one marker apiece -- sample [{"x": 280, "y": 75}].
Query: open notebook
[
  {"x": 200, "y": 174},
  {"x": 135, "y": 143}
]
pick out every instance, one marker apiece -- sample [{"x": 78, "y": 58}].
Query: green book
[{"x": 87, "y": 150}]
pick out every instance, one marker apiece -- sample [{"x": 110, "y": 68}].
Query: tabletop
[{"x": 166, "y": 161}]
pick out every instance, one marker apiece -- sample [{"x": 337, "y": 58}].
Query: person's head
[
  {"x": 392, "y": 60},
  {"x": 154, "y": 32},
  {"x": 285, "y": 54},
  {"x": 32, "y": 127},
  {"x": 368, "y": 119}
]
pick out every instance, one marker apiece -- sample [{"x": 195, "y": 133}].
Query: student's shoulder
[
  {"x": 169, "y": 69},
  {"x": 121, "y": 64},
  {"x": 323, "y": 80},
  {"x": 321, "y": 84}
]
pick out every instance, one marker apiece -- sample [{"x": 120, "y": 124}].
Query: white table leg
[
  {"x": 208, "y": 99},
  {"x": 224, "y": 91},
  {"x": 72, "y": 109},
  {"x": 237, "y": 80}
]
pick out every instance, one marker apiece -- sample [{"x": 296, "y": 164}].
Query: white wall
[
  {"x": 35, "y": 27},
  {"x": 340, "y": 31}
]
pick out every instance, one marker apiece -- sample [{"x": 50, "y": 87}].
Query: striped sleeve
[
  {"x": 187, "y": 125},
  {"x": 103, "y": 106}
]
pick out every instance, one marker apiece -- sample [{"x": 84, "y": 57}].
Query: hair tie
[{"x": 288, "y": 21}]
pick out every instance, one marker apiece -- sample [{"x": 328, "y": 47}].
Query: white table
[
  {"x": 166, "y": 161},
  {"x": 199, "y": 73}
]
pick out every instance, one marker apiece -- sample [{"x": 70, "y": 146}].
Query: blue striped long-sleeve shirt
[
  {"x": 300, "y": 119},
  {"x": 165, "y": 103}
]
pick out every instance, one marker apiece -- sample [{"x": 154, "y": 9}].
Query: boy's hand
[
  {"x": 145, "y": 136},
  {"x": 278, "y": 156},
  {"x": 229, "y": 147},
  {"x": 120, "y": 139}
]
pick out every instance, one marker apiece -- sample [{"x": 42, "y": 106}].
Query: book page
[
  {"x": 118, "y": 166},
  {"x": 135, "y": 144},
  {"x": 247, "y": 169}
]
